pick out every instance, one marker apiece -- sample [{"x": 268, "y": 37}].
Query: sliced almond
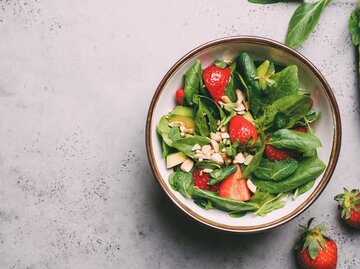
[
  {"x": 216, "y": 157},
  {"x": 240, "y": 96},
  {"x": 225, "y": 136},
  {"x": 239, "y": 158},
  {"x": 215, "y": 136},
  {"x": 251, "y": 186},
  {"x": 239, "y": 108},
  {"x": 187, "y": 165},
  {"x": 241, "y": 113},
  {"x": 215, "y": 145},
  {"x": 202, "y": 156},
  {"x": 248, "y": 159},
  {"x": 207, "y": 170},
  {"x": 196, "y": 147},
  {"x": 206, "y": 149},
  {"x": 225, "y": 99}
]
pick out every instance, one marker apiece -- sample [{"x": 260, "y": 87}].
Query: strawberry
[
  {"x": 300, "y": 129},
  {"x": 275, "y": 154},
  {"x": 180, "y": 93},
  {"x": 234, "y": 187},
  {"x": 201, "y": 180},
  {"x": 350, "y": 204},
  {"x": 315, "y": 250},
  {"x": 242, "y": 130},
  {"x": 216, "y": 80}
]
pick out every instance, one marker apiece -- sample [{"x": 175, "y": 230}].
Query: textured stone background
[{"x": 76, "y": 79}]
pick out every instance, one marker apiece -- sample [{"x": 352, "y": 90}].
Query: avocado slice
[
  {"x": 183, "y": 114},
  {"x": 174, "y": 159}
]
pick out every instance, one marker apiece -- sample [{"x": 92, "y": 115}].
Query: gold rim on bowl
[{"x": 335, "y": 151}]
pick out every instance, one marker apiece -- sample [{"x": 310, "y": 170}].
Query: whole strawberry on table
[
  {"x": 349, "y": 203},
  {"x": 316, "y": 250},
  {"x": 241, "y": 137}
]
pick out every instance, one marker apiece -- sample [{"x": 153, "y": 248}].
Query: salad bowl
[{"x": 327, "y": 129}]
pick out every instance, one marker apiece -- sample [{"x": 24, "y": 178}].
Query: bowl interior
[{"x": 325, "y": 129}]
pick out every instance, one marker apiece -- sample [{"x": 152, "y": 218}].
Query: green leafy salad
[{"x": 240, "y": 137}]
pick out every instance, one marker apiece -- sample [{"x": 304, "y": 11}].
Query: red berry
[
  {"x": 242, "y": 130},
  {"x": 301, "y": 129},
  {"x": 180, "y": 93},
  {"x": 234, "y": 187},
  {"x": 216, "y": 80},
  {"x": 201, "y": 180},
  {"x": 350, "y": 204},
  {"x": 316, "y": 251}
]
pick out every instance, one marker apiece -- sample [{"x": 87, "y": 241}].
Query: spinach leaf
[
  {"x": 182, "y": 182},
  {"x": 220, "y": 64},
  {"x": 237, "y": 214},
  {"x": 302, "y": 189},
  {"x": 308, "y": 170},
  {"x": 303, "y": 22},
  {"x": 354, "y": 26},
  {"x": 212, "y": 111},
  {"x": 264, "y": 73},
  {"x": 220, "y": 174},
  {"x": 271, "y": 1},
  {"x": 163, "y": 130},
  {"x": 310, "y": 117},
  {"x": 223, "y": 203},
  {"x": 276, "y": 170},
  {"x": 174, "y": 133},
  {"x": 290, "y": 139},
  {"x": 201, "y": 125},
  {"x": 286, "y": 83},
  {"x": 281, "y": 120},
  {"x": 186, "y": 144},
  {"x": 253, "y": 165},
  {"x": 192, "y": 81},
  {"x": 302, "y": 91},
  {"x": 207, "y": 164},
  {"x": 294, "y": 106},
  {"x": 246, "y": 68},
  {"x": 276, "y": 202},
  {"x": 230, "y": 89},
  {"x": 204, "y": 203},
  {"x": 165, "y": 149}
]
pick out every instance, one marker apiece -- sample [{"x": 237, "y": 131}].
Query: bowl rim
[{"x": 335, "y": 151}]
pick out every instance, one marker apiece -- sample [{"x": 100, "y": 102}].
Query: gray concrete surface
[{"x": 76, "y": 79}]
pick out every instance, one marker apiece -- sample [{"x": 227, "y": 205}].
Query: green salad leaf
[
  {"x": 253, "y": 165},
  {"x": 182, "y": 182},
  {"x": 224, "y": 203},
  {"x": 186, "y": 144},
  {"x": 163, "y": 129},
  {"x": 354, "y": 26},
  {"x": 246, "y": 68},
  {"x": 303, "y": 22},
  {"x": 276, "y": 170},
  {"x": 294, "y": 106},
  {"x": 286, "y": 83},
  {"x": 308, "y": 170},
  {"x": 193, "y": 79},
  {"x": 276, "y": 202},
  {"x": 220, "y": 174},
  {"x": 302, "y": 189},
  {"x": 290, "y": 139},
  {"x": 201, "y": 124}
]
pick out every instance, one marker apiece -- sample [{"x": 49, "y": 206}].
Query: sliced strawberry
[
  {"x": 216, "y": 80},
  {"x": 180, "y": 94},
  {"x": 242, "y": 130},
  {"x": 201, "y": 180},
  {"x": 234, "y": 187}
]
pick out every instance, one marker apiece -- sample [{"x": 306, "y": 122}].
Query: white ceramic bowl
[{"x": 328, "y": 128}]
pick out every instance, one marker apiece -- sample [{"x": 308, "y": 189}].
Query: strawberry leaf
[{"x": 314, "y": 248}]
